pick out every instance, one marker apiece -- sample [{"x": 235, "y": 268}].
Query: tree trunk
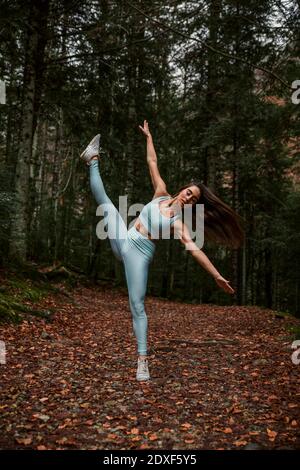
[
  {"x": 34, "y": 48},
  {"x": 268, "y": 277},
  {"x": 212, "y": 85}
]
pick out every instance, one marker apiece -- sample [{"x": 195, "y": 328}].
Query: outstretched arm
[
  {"x": 183, "y": 233},
  {"x": 157, "y": 181}
]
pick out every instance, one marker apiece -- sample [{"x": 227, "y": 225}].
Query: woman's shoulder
[{"x": 161, "y": 196}]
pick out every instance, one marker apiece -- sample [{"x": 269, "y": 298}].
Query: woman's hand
[
  {"x": 224, "y": 284},
  {"x": 145, "y": 129}
]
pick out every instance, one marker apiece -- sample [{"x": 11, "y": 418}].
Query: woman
[{"x": 135, "y": 247}]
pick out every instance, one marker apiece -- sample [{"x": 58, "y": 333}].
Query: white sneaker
[
  {"x": 142, "y": 372},
  {"x": 91, "y": 150}
]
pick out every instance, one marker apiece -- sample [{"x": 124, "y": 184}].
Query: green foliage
[
  {"x": 295, "y": 332},
  {"x": 18, "y": 293},
  {"x": 12, "y": 311}
]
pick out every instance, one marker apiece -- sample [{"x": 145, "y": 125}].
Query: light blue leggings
[{"x": 134, "y": 250}]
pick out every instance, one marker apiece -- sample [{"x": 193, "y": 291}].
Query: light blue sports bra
[{"x": 154, "y": 221}]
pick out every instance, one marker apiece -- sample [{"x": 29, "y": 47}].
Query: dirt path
[{"x": 221, "y": 378}]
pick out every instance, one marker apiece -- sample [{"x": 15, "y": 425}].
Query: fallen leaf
[
  {"x": 271, "y": 434},
  {"x": 134, "y": 431},
  {"x": 42, "y": 417},
  {"x": 26, "y": 441},
  {"x": 227, "y": 431},
  {"x": 240, "y": 443},
  {"x": 189, "y": 441},
  {"x": 186, "y": 426}
]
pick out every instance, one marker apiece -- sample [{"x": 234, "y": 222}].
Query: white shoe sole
[
  {"x": 142, "y": 379},
  {"x": 82, "y": 156}
]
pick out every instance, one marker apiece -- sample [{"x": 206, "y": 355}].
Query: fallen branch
[{"x": 212, "y": 342}]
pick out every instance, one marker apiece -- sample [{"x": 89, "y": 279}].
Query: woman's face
[{"x": 189, "y": 195}]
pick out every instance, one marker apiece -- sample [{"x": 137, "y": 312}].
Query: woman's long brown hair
[{"x": 221, "y": 223}]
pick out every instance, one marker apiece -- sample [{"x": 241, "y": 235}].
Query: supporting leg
[{"x": 136, "y": 271}]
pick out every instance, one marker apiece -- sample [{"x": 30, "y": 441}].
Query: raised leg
[{"x": 116, "y": 227}]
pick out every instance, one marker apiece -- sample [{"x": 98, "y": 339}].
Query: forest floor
[{"x": 221, "y": 377}]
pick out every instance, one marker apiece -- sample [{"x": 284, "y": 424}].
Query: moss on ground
[{"x": 17, "y": 292}]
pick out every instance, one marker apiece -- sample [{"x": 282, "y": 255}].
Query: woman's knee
[{"x": 138, "y": 307}]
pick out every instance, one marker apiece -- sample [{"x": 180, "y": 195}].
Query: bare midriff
[{"x": 140, "y": 228}]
